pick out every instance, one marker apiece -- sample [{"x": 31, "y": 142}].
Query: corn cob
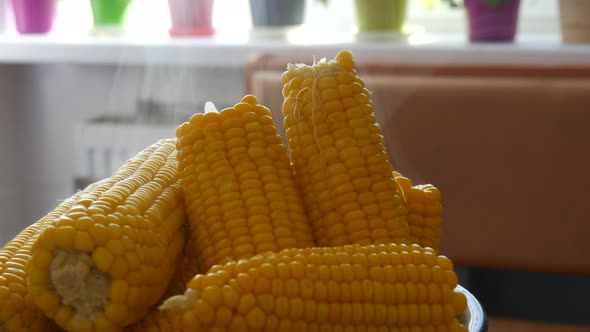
[
  {"x": 383, "y": 287},
  {"x": 238, "y": 185},
  {"x": 157, "y": 320},
  {"x": 338, "y": 155},
  {"x": 186, "y": 269},
  {"x": 424, "y": 211},
  {"x": 17, "y": 310},
  {"x": 103, "y": 263}
]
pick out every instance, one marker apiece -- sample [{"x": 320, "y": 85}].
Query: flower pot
[
  {"x": 3, "y": 15},
  {"x": 492, "y": 20},
  {"x": 277, "y": 13},
  {"x": 575, "y": 26},
  {"x": 34, "y": 16},
  {"x": 109, "y": 13},
  {"x": 191, "y": 17},
  {"x": 381, "y": 15}
]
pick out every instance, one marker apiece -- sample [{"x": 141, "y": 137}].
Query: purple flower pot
[
  {"x": 34, "y": 16},
  {"x": 492, "y": 20}
]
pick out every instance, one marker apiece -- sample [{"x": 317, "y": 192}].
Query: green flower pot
[
  {"x": 109, "y": 12},
  {"x": 381, "y": 15}
]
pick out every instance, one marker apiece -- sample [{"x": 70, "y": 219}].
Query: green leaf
[{"x": 495, "y": 3}]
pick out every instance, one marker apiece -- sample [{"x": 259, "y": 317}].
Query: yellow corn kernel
[
  {"x": 245, "y": 196},
  {"x": 104, "y": 270},
  {"x": 310, "y": 302},
  {"x": 17, "y": 313},
  {"x": 424, "y": 211},
  {"x": 347, "y": 161}
]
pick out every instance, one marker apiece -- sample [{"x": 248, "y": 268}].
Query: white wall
[
  {"x": 40, "y": 106},
  {"x": 12, "y": 212}
]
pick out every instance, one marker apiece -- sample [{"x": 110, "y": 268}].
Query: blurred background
[{"x": 489, "y": 100}]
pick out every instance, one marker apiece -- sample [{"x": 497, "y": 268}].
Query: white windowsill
[{"x": 234, "y": 52}]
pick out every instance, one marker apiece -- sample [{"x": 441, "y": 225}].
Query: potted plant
[
  {"x": 379, "y": 19},
  {"x": 492, "y": 20},
  {"x": 34, "y": 16},
  {"x": 380, "y": 15},
  {"x": 3, "y": 15},
  {"x": 575, "y": 26},
  {"x": 109, "y": 13},
  {"x": 191, "y": 17},
  {"x": 277, "y": 13}
]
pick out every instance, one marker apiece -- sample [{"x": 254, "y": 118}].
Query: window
[{"x": 232, "y": 18}]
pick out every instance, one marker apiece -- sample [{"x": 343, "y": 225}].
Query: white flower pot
[
  {"x": 3, "y": 15},
  {"x": 575, "y": 26}
]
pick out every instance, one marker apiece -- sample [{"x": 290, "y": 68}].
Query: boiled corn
[
  {"x": 383, "y": 287},
  {"x": 104, "y": 262},
  {"x": 338, "y": 155},
  {"x": 17, "y": 310},
  {"x": 424, "y": 211},
  {"x": 238, "y": 184}
]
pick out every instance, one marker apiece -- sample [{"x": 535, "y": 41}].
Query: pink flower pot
[{"x": 191, "y": 17}]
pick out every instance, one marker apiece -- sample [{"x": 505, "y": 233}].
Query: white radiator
[{"x": 102, "y": 146}]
